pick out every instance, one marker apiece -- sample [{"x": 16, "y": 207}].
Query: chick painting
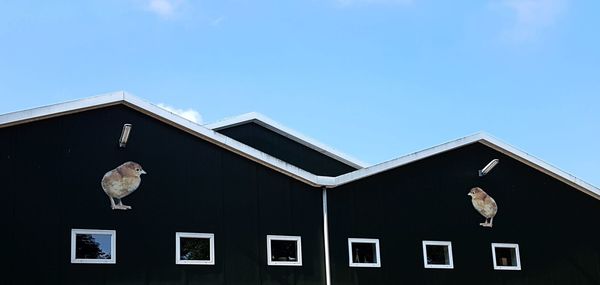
[
  {"x": 484, "y": 204},
  {"x": 122, "y": 181}
]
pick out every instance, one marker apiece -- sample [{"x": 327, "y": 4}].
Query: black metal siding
[
  {"x": 52, "y": 171},
  {"x": 555, "y": 225}
]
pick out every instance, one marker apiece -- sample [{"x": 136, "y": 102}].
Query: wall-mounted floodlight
[
  {"x": 489, "y": 167},
  {"x": 124, "y": 135}
]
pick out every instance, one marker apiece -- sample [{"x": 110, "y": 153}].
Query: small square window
[
  {"x": 437, "y": 254},
  {"x": 506, "y": 256},
  {"x": 363, "y": 252},
  {"x": 195, "y": 248},
  {"x": 284, "y": 250},
  {"x": 93, "y": 246}
]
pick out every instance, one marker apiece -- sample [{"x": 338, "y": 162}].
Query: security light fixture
[
  {"x": 124, "y": 135},
  {"x": 489, "y": 167}
]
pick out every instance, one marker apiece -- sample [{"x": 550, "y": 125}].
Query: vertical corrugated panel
[{"x": 427, "y": 200}]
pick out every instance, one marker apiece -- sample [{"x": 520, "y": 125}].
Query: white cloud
[
  {"x": 189, "y": 114},
  {"x": 217, "y": 21},
  {"x": 163, "y": 8},
  {"x": 372, "y": 2},
  {"x": 533, "y": 16}
]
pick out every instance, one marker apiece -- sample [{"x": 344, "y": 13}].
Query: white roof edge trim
[
  {"x": 226, "y": 142},
  {"x": 412, "y": 157},
  {"x": 277, "y": 164},
  {"x": 542, "y": 166},
  {"x": 161, "y": 114},
  {"x": 59, "y": 109},
  {"x": 288, "y": 133},
  {"x": 485, "y": 139}
]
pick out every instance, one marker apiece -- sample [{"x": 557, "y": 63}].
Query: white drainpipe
[{"x": 326, "y": 238}]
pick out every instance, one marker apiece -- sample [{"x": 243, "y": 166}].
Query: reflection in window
[
  {"x": 92, "y": 246},
  {"x": 437, "y": 254},
  {"x": 194, "y": 248},
  {"x": 284, "y": 250},
  {"x": 363, "y": 252}
]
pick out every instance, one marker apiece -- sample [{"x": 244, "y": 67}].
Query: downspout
[{"x": 326, "y": 238}]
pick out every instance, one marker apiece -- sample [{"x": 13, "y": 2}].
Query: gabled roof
[
  {"x": 121, "y": 97},
  {"x": 484, "y": 139},
  {"x": 280, "y": 129},
  {"x": 279, "y": 165}
]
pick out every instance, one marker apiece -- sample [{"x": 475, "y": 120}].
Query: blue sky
[
  {"x": 376, "y": 79},
  {"x": 104, "y": 242}
]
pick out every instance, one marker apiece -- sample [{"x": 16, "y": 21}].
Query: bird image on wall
[
  {"x": 122, "y": 181},
  {"x": 484, "y": 204}
]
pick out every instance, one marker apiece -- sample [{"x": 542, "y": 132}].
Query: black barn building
[{"x": 115, "y": 190}]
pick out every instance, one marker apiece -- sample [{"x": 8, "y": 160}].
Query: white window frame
[
  {"x": 374, "y": 241},
  {"x": 448, "y": 244},
  {"x": 298, "y": 241},
  {"x": 514, "y": 246},
  {"x": 113, "y": 246},
  {"x": 179, "y": 235}
]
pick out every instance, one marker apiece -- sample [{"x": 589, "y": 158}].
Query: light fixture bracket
[{"x": 489, "y": 167}]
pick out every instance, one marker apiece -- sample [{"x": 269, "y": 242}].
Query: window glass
[
  {"x": 92, "y": 246},
  {"x": 506, "y": 256},
  {"x": 437, "y": 254},
  {"x": 363, "y": 252},
  {"x": 194, "y": 248},
  {"x": 284, "y": 250}
]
